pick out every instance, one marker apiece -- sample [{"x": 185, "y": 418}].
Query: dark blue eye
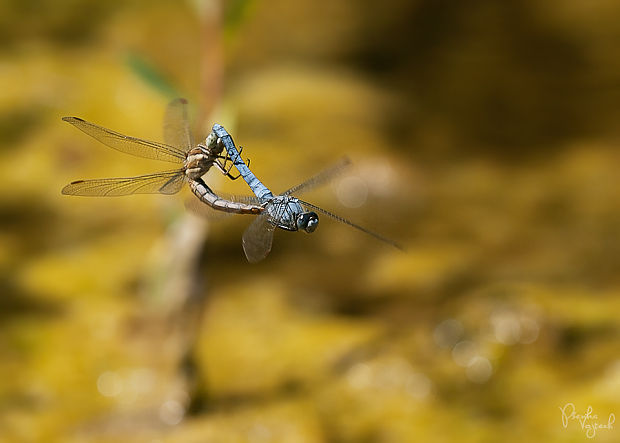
[{"x": 307, "y": 221}]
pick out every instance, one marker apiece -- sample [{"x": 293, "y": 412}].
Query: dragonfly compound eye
[
  {"x": 211, "y": 140},
  {"x": 308, "y": 221}
]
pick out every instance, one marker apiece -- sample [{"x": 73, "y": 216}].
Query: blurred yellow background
[{"x": 484, "y": 139}]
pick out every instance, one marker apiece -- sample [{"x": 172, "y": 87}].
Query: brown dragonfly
[{"x": 193, "y": 160}]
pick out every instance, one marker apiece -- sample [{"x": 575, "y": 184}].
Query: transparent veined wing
[
  {"x": 257, "y": 238},
  {"x": 350, "y": 223},
  {"x": 127, "y": 144},
  {"x": 325, "y": 176},
  {"x": 176, "y": 125},
  {"x": 169, "y": 182}
]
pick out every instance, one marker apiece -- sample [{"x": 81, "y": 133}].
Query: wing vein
[{"x": 127, "y": 144}]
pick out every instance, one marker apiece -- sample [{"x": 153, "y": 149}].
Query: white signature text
[{"x": 588, "y": 421}]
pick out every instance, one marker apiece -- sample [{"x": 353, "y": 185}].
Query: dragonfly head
[
  {"x": 308, "y": 221},
  {"x": 212, "y": 143},
  {"x": 211, "y": 140}
]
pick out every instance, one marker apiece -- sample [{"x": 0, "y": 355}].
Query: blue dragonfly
[
  {"x": 192, "y": 160},
  {"x": 282, "y": 211}
]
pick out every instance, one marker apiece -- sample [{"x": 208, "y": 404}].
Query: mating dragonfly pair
[{"x": 282, "y": 211}]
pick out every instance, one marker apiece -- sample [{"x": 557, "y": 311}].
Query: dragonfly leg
[
  {"x": 247, "y": 162},
  {"x": 225, "y": 169}
]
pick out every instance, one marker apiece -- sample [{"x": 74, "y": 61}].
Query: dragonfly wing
[
  {"x": 169, "y": 182},
  {"x": 321, "y": 178},
  {"x": 257, "y": 239},
  {"x": 353, "y": 225},
  {"x": 176, "y": 125},
  {"x": 127, "y": 144}
]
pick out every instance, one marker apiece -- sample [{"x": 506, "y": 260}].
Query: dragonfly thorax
[
  {"x": 285, "y": 212},
  {"x": 198, "y": 162}
]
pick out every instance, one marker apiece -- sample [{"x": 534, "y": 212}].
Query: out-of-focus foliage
[{"x": 483, "y": 136}]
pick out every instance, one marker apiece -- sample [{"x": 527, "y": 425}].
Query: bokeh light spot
[
  {"x": 359, "y": 376},
  {"x": 109, "y": 384},
  {"x": 418, "y": 386},
  {"x": 479, "y": 370},
  {"x": 171, "y": 412},
  {"x": 352, "y": 191},
  {"x": 448, "y": 333},
  {"x": 506, "y": 327},
  {"x": 464, "y": 352}
]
